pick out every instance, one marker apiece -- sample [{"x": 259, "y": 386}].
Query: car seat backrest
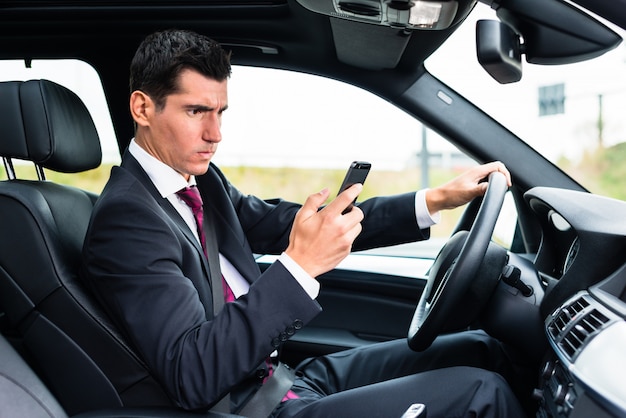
[
  {"x": 73, "y": 344},
  {"x": 22, "y": 393}
]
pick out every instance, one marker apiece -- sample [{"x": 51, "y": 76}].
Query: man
[{"x": 144, "y": 260}]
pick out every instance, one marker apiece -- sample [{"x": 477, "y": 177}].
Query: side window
[
  {"x": 504, "y": 231},
  {"x": 289, "y": 135},
  {"x": 83, "y": 80}
]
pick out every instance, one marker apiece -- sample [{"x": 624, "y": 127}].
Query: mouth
[{"x": 206, "y": 154}]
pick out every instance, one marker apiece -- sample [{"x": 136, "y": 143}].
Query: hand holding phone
[{"x": 357, "y": 173}]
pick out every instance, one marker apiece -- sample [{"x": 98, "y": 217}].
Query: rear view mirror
[{"x": 499, "y": 51}]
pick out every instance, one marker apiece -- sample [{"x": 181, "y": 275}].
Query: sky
[{"x": 516, "y": 104}]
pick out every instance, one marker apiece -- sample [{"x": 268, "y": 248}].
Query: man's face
[{"x": 184, "y": 134}]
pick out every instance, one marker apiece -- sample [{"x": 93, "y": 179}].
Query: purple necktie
[{"x": 191, "y": 196}]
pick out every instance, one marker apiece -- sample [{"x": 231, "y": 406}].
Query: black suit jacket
[{"x": 149, "y": 271}]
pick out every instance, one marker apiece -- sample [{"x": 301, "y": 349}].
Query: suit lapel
[
  {"x": 133, "y": 166},
  {"x": 231, "y": 238},
  {"x": 201, "y": 284}
]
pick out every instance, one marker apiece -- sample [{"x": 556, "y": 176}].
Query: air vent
[
  {"x": 575, "y": 324},
  {"x": 566, "y": 315},
  {"x": 581, "y": 332}
]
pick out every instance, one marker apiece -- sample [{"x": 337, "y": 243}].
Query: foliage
[{"x": 601, "y": 171}]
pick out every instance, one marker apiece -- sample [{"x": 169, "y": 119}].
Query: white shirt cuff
[
  {"x": 308, "y": 283},
  {"x": 423, "y": 216}
]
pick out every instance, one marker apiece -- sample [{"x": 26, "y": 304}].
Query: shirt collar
[{"x": 167, "y": 180}]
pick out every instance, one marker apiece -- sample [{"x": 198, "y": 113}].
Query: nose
[{"x": 212, "y": 128}]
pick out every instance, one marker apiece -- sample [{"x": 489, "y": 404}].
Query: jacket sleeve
[
  {"x": 140, "y": 266},
  {"x": 389, "y": 220}
]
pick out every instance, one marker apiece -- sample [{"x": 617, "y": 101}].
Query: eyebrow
[{"x": 204, "y": 108}]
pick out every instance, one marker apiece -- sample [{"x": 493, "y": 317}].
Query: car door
[{"x": 370, "y": 297}]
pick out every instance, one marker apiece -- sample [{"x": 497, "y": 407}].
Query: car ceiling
[
  {"x": 275, "y": 33},
  {"x": 271, "y": 33}
]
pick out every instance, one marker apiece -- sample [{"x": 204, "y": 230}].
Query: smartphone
[{"x": 357, "y": 173}]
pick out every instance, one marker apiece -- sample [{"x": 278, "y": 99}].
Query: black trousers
[{"x": 460, "y": 375}]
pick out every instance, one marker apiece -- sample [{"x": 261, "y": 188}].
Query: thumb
[{"x": 482, "y": 188}]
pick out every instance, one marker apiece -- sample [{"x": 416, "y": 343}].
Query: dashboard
[
  {"x": 586, "y": 374},
  {"x": 582, "y": 266}
]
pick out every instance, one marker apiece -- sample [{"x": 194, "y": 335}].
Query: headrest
[{"x": 48, "y": 124}]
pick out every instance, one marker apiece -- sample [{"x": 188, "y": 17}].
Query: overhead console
[
  {"x": 538, "y": 30},
  {"x": 374, "y": 34},
  {"x": 406, "y": 14}
]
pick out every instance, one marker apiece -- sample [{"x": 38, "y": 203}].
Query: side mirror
[{"x": 499, "y": 51}]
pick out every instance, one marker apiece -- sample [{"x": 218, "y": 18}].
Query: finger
[
  {"x": 312, "y": 203},
  {"x": 486, "y": 169},
  {"x": 354, "y": 232},
  {"x": 482, "y": 188},
  {"x": 345, "y": 198},
  {"x": 500, "y": 167},
  {"x": 355, "y": 216}
]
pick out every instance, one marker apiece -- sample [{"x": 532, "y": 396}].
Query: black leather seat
[
  {"x": 23, "y": 394},
  {"x": 53, "y": 320}
]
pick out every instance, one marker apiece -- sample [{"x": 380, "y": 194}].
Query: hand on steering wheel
[{"x": 463, "y": 275}]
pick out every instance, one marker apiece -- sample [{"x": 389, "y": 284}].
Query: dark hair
[{"x": 162, "y": 56}]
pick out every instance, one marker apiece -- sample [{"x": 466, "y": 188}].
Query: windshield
[{"x": 572, "y": 114}]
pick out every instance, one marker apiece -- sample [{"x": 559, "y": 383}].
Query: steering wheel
[{"x": 464, "y": 274}]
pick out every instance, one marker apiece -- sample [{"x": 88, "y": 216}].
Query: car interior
[{"x": 557, "y": 293}]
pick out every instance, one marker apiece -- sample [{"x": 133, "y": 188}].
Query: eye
[{"x": 195, "y": 112}]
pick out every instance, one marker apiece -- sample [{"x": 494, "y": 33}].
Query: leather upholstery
[
  {"x": 48, "y": 124},
  {"x": 22, "y": 394},
  {"x": 72, "y": 343}
]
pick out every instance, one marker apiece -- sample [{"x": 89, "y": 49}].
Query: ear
[{"x": 141, "y": 108}]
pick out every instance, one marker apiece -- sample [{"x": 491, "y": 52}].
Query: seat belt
[
  {"x": 269, "y": 395},
  {"x": 212, "y": 251},
  {"x": 217, "y": 290}
]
